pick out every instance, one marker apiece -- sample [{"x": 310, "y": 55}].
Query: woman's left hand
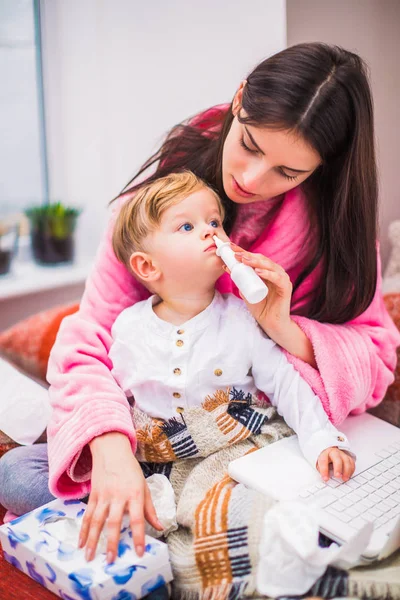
[{"x": 272, "y": 313}]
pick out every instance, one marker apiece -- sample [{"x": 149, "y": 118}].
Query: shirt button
[
  {"x": 180, "y": 331},
  {"x": 340, "y": 438},
  {"x": 179, "y": 342},
  {"x": 218, "y": 372},
  {"x": 180, "y": 409},
  {"x": 177, "y": 371},
  {"x": 176, "y": 395}
]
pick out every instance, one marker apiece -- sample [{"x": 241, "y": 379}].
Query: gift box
[{"x": 44, "y": 545}]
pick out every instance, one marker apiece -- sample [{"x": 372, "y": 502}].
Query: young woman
[{"x": 293, "y": 161}]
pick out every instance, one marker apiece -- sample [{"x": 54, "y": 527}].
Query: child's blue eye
[
  {"x": 186, "y": 227},
  {"x": 214, "y": 223}
]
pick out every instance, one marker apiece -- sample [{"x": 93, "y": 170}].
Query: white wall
[
  {"x": 371, "y": 28},
  {"x": 119, "y": 73}
]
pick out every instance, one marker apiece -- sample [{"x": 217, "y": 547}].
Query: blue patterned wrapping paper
[{"x": 62, "y": 568}]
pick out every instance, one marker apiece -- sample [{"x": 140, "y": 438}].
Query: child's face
[{"x": 183, "y": 245}]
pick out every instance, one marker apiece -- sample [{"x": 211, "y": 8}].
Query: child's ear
[{"x": 143, "y": 266}]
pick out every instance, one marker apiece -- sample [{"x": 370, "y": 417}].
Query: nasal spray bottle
[{"x": 243, "y": 276}]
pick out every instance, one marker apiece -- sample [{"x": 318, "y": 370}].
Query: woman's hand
[
  {"x": 272, "y": 313},
  {"x": 118, "y": 486}
]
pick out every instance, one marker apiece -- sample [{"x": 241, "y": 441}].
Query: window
[{"x": 23, "y": 170}]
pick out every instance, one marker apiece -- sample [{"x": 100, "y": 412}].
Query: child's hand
[
  {"x": 118, "y": 487},
  {"x": 343, "y": 464}
]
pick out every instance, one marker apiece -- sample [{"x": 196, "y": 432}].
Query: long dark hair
[{"x": 322, "y": 93}]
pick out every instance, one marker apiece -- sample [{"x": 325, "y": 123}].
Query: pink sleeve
[
  {"x": 355, "y": 360},
  {"x": 85, "y": 398}
]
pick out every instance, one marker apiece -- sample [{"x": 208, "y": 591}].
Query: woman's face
[{"x": 260, "y": 163}]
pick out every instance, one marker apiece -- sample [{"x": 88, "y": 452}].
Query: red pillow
[{"x": 28, "y": 343}]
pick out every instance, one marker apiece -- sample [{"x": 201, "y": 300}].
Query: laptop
[{"x": 371, "y": 495}]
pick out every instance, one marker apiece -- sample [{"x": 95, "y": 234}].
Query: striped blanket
[{"x": 214, "y": 552}]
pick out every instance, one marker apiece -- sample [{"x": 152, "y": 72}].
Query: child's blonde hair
[{"x": 142, "y": 213}]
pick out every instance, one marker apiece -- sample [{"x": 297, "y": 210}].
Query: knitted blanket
[{"x": 214, "y": 552}]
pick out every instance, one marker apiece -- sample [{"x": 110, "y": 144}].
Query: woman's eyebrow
[{"x": 263, "y": 153}]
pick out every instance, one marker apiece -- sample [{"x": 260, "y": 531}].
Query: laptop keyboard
[{"x": 372, "y": 495}]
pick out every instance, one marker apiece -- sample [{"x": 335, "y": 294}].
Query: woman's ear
[
  {"x": 237, "y": 100},
  {"x": 144, "y": 267}
]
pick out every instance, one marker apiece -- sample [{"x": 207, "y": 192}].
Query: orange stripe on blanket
[
  {"x": 219, "y": 397},
  {"x": 154, "y": 445},
  {"x": 210, "y": 535},
  {"x": 227, "y": 424}
]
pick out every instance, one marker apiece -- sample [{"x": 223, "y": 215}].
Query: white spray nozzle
[
  {"x": 248, "y": 282},
  {"x": 225, "y": 251},
  {"x": 218, "y": 242}
]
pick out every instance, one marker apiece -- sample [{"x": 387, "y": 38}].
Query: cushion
[
  {"x": 389, "y": 408},
  {"x": 28, "y": 343}
]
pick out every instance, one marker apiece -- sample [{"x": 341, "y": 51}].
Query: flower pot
[
  {"x": 50, "y": 250},
  {"x": 52, "y": 229},
  {"x": 8, "y": 246},
  {"x": 5, "y": 261}
]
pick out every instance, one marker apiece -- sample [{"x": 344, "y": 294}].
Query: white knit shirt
[{"x": 167, "y": 368}]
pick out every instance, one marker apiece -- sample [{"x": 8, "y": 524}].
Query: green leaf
[{"x": 55, "y": 220}]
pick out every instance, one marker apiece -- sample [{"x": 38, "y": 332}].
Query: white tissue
[
  {"x": 24, "y": 405},
  {"x": 66, "y": 530},
  {"x": 290, "y": 559},
  {"x": 163, "y": 497}
]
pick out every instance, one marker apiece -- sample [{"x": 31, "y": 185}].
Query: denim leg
[{"x": 24, "y": 478}]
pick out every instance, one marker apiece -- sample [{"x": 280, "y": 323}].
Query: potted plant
[{"x": 52, "y": 229}]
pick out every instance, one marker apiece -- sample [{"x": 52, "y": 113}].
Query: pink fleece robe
[{"x": 355, "y": 360}]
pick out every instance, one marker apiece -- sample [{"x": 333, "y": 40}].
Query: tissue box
[{"x": 44, "y": 545}]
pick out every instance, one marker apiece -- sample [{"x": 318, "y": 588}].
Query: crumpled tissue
[
  {"x": 291, "y": 560},
  {"x": 163, "y": 497},
  {"x": 67, "y": 530},
  {"x": 24, "y": 407}
]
